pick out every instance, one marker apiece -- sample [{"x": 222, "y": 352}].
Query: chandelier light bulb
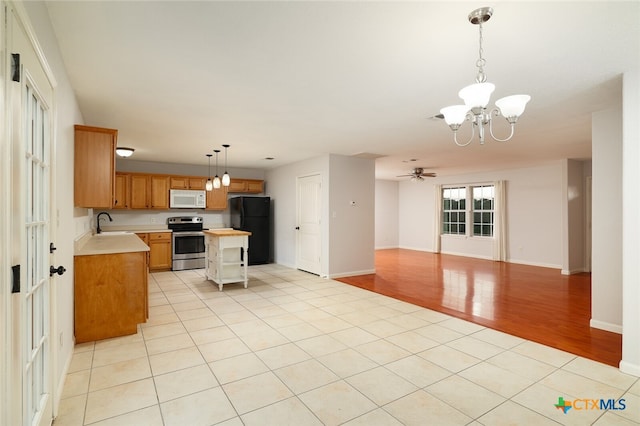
[{"x": 477, "y": 95}]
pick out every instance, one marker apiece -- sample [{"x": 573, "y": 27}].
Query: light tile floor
[{"x": 295, "y": 349}]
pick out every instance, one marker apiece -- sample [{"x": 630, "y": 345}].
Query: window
[
  {"x": 454, "y": 219},
  {"x": 483, "y": 210},
  {"x": 479, "y": 222}
]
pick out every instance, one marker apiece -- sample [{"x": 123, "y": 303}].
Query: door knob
[
  {"x": 59, "y": 270},
  {"x": 297, "y": 228}
]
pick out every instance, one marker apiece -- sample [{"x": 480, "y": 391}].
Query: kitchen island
[
  {"x": 110, "y": 286},
  {"x": 227, "y": 256}
]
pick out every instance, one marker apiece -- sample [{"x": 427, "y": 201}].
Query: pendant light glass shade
[
  {"x": 226, "y": 179},
  {"x": 477, "y": 95},
  {"x": 455, "y": 115},
  {"x": 216, "y": 179},
  {"x": 512, "y": 106},
  {"x": 209, "y": 185}
]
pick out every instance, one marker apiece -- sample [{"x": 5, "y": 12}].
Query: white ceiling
[{"x": 295, "y": 80}]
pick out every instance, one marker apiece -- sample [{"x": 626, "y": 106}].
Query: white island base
[{"x": 227, "y": 256}]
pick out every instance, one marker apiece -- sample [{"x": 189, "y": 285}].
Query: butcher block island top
[
  {"x": 227, "y": 256},
  {"x": 227, "y": 233}
]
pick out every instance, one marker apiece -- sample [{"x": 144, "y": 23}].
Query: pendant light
[
  {"x": 209, "y": 185},
  {"x": 226, "y": 179},
  {"x": 216, "y": 180}
]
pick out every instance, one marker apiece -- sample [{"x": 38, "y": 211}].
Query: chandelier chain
[{"x": 481, "y": 77}]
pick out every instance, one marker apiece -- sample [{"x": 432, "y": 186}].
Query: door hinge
[
  {"x": 15, "y": 67},
  {"x": 15, "y": 288}
]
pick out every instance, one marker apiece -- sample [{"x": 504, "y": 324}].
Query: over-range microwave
[{"x": 187, "y": 199}]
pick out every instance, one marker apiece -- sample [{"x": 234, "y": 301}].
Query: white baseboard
[
  {"x": 606, "y": 326},
  {"x": 353, "y": 273},
  {"x": 539, "y": 264},
  {"x": 386, "y": 247},
  {"x": 572, "y": 271},
  {"x": 63, "y": 379},
  {"x": 415, "y": 248},
  {"x": 628, "y": 368}
]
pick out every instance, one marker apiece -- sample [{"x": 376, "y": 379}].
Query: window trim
[{"x": 469, "y": 210}]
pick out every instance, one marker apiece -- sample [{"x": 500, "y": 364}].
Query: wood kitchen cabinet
[
  {"x": 188, "y": 182},
  {"x": 159, "y": 192},
  {"x": 144, "y": 237},
  {"x": 217, "y": 199},
  {"x": 149, "y": 191},
  {"x": 94, "y": 166},
  {"x": 121, "y": 200},
  {"x": 110, "y": 295},
  {"x": 160, "y": 251},
  {"x": 247, "y": 186}
]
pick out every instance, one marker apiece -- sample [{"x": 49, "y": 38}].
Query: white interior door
[
  {"x": 308, "y": 237},
  {"x": 31, "y": 99}
]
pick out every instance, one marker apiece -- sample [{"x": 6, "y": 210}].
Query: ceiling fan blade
[
  {"x": 428, "y": 174},
  {"x": 405, "y": 175}
]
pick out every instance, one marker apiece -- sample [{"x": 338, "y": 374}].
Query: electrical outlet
[{"x": 153, "y": 220}]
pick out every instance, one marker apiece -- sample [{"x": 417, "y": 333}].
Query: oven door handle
[{"x": 187, "y": 233}]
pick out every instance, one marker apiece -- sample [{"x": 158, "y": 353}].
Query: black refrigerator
[{"x": 253, "y": 214}]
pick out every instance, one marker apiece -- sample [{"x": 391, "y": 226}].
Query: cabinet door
[
  {"x": 197, "y": 183},
  {"x": 144, "y": 237},
  {"x": 237, "y": 185},
  {"x": 255, "y": 186},
  {"x": 217, "y": 199},
  {"x": 159, "y": 192},
  {"x": 122, "y": 191},
  {"x": 139, "y": 197},
  {"x": 179, "y": 182},
  {"x": 94, "y": 167},
  {"x": 160, "y": 251}
]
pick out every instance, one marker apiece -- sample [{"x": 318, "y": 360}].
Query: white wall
[
  {"x": 573, "y": 217},
  {"x": 631, "y": 224},
  {"x": 386, "y": 217},
  {"x": 281, "y": 187},
  {"x": 352, "y": 216},
  {"x": 347, "y": 238},
  {"x": 606, "y": 275},
  {"x": 69, "y": 221},
  {"x": 534, "y": 203}
]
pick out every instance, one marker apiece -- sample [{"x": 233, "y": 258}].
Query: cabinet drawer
[{"x": 160, "y": 236}]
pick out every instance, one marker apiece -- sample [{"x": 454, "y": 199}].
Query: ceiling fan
[{"x": 418, "y": 173}]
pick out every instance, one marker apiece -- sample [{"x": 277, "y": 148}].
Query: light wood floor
[{"x": 534, "y": 303}]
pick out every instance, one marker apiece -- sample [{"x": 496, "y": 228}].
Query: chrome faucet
[{"x": 98, "y": 230}]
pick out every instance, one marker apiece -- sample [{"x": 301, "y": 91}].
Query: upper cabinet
[
  {"x": 188, "y": 182},
  {"x": 217, "y": 199},
  {"x": 149, "y": 191},
  {"x": 247, "y": 186},
  {"x": 122, "y": 198},
  {"x": 94, "y": 167}
]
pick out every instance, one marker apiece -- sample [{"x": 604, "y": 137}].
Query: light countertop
[
  {"x": 226, "y": 232},
  {"x": 109, "y": 244},
  {"x": 137, "y": 228}
]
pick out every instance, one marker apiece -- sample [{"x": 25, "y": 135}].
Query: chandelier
[{"x": 476, "y": 97}]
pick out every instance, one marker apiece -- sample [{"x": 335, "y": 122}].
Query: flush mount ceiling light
[
  {"x": 124, "y": 152},
  {"x": 226, "y": 179},
  {"x": 209, "y": 185},
  {"x": 216, "y": 179},
  {"x": 476, "y": 97}
]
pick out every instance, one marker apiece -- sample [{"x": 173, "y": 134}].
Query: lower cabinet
[
  {"x": 159, "y": 249},
  {"x": 111, "y": 295}
]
